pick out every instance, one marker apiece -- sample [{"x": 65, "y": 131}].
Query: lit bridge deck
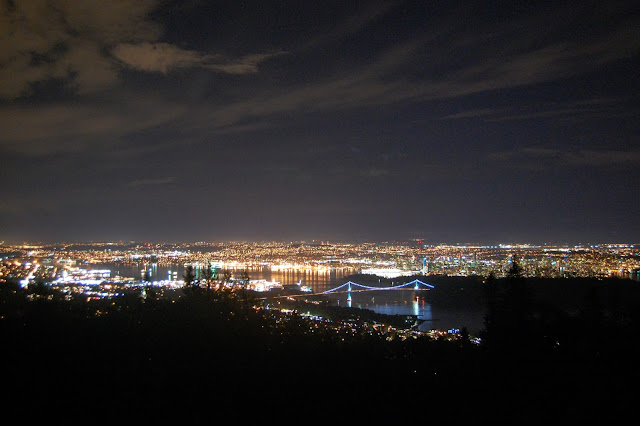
[{"x": 352, "y": 287}]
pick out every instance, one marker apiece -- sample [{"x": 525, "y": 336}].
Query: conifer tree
[
  {"x": 207, "y": 274},
  {"x": 189, "y": 276}
]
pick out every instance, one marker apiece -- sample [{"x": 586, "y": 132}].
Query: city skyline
[
  {"x": 409, "y": 242},
  {"x": 168, "y": 121}
]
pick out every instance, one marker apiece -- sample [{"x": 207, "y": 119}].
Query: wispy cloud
[
  {"x": 473, "y": 113},
  {"x": 247, "y": 64},
  {"x": 540, "y": 158},
  {"x": 88, "y": 44},
  {"x": 575, "y": 110},
  {"x": 157, "y": 57},
  {"x": 164, "y": 57},
  {"x": 486, "y": 65}
]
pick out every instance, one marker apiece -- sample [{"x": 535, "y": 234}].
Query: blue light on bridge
[{"x": 361, "y": 287}]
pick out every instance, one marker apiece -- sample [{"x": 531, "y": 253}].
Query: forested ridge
[{"x": 199, "y": 353}]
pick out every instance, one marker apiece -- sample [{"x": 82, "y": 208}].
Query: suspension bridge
[
  {"x": 350, "y": 286},
  {"x": 353, "y": 287}
]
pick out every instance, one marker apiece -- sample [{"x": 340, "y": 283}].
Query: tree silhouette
[
  {"x": 226, "y": 278},
  {"x": 508, "y": 322},
  {"x": 245, "y": 279},
  {"x": 207, "y": 274},
  {"x": 515, "y": 270},
  {"x": 149, "y": 291},
  {"x": 189, "y": 276},
  {"x": 492, "y": 300}
]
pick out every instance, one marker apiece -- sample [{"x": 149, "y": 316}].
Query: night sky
[{"x": 457, "y": 122}]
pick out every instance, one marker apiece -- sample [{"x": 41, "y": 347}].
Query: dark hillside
[{"x": 201, "y": 355}]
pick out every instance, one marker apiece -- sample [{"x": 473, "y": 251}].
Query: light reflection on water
[
  {"x": 318, "y": 279},
  {"x": 397, "y": 302},
  {"x": 405, "y": 302}
]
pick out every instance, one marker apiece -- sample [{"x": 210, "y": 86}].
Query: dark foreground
[{"x": 207, "y": 358}]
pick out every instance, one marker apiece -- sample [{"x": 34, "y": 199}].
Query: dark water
[
  {"x": 402, "y": 302},
  {"x": 399, "y": 302}
]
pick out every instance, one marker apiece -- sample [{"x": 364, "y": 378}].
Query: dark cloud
[
  {"x": 66, "y": 40},
  {"x": 84, "y": 44}
]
